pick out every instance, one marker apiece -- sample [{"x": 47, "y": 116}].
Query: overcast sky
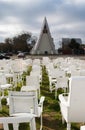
[{"x": 66, "y": 18}]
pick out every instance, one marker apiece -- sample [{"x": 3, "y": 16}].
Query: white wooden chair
[
  {"x": 55, "y": 73},
  {"x": 4, "y": 84},
  {"x": 25, "y": 103},
  {"x": 5, "y": 121},
  {"x": 32, "y": 84},
  {"x": 62, "y": 82},
  {"x": 72, "y": 105}
]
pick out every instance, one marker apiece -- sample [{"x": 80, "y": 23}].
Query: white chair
[
  {"x": 4, "y": 84},
  {"x": 25, "y": 103},
  {"x": 72, "y": 105},
  {"x": 32, "y": 84},
  {"x": 5, "y": 121},
  {"x": 62, "y": 82},
  {"x": 55, "y": 73},
  {"x": 82, "y": 127}
]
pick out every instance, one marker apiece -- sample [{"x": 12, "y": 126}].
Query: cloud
[
  {"x": 65, "y": 17},
  {"x": 74, "y": 2}
]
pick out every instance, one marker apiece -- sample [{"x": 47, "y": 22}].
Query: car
[
  {"x": 9, "y": 54},
  {"x": 21, "y": 55},
  {"x": 3, "y": 56}
]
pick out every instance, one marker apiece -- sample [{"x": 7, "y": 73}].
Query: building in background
[{"x": 66, "y": 49}]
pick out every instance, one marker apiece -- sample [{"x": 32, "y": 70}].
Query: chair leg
[
  {"x": 41, "y": 122},
  {"x": 32, "y": 124},
  {"x": 51, "y": 88},
  {"x": 5, "y": 126},
  {"x": 68, "y": 126},
  {"x": 55, "y": 93},
  {"x": 63, "y": 120},
  {"x": 39, "y": 92},
  {"x": 15, "y": 126}
]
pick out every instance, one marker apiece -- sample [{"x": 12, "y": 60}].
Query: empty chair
[
  {"x": 5, "y": 121},
  {"x": 32, "y": 84},
  {"x": 17, "y": 78},
  {"x": 37, "y": 73},
  {"x": 25, "y": 103},
  {"x": 53, "y": 77},
  {"x": 62, "y": 82},
  {"x": 4, "y": 84},
  {"x": 72, "y": 105}
]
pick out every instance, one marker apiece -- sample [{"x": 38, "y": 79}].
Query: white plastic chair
[
  {"x": 25, "y": 103},
  {"x": 73, "y": 105},
  {"x": 5, "y": 121}
]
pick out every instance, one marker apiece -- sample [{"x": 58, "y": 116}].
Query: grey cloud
[{"x": 27, "y": 15}]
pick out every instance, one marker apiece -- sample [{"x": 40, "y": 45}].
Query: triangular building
[{"x": 44, "y": 44}]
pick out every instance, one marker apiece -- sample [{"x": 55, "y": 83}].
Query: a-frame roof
[{"x": 44, "y": 27}]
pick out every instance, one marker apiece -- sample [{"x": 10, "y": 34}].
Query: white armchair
[
  {"x": 25, "y": 103},
  {"x": 72, "y": 105}
]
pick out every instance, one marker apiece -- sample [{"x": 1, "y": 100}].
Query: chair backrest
[
  {"x": 76, "y": 98},
  {"x": 32, "y": 81},
  {"x": 62, "y": 82},
  {"x": 75, "y": 72},
  {"x": 2, "y": 79},
  {"x": 82, "y": 72},
  {"x": 23, "y": 102}
]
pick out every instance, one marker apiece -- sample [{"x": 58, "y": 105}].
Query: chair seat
[
  {"x": 9, "y": 75},
  {"x": 28, "y": 114},
  {"x": 22, "y": 114},
  {"x": 28, "y": 88},
  {"x": 5, "y": 86}
]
